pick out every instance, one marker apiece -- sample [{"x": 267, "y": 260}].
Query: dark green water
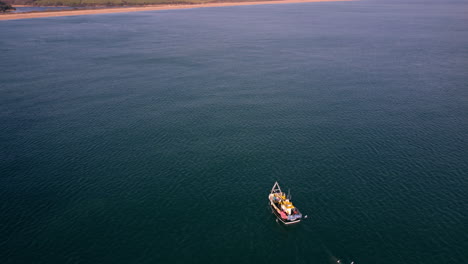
[{"x": 155, "y": 137}]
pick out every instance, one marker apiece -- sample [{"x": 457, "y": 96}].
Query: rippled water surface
[
  {"x": 155, "y": 137},
  {"x": 24, "y": 9}
]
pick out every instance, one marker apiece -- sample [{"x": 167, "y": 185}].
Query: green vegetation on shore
[
  {"x": 78, "y": 3},
  {"x": 5, "y": 7}
]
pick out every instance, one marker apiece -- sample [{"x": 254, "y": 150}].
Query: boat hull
[
  {"x": 286, "y": 222},
  {"x": 282, "y": 207}
]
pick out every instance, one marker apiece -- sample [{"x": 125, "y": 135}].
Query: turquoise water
[
  {"x": 155, "y": 137},
  {"x": 24, "y": 9}
]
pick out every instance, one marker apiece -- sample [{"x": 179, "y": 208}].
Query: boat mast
[{"x": 276, "y": 187}]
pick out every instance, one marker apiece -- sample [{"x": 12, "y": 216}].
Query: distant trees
[{"x": 4, "y": 7}]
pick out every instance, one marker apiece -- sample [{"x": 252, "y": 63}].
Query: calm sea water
[
  {"x": 24, "y": 9},
  {"x": 155, "y": 137}
]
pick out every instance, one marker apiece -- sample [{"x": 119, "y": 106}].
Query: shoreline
[{"x": 80, "y": 12}]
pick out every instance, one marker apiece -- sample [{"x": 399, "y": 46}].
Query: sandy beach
[{"x": 146, "y": 8}]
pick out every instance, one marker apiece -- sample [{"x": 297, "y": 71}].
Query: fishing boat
[{"x": 282, "y": 207}]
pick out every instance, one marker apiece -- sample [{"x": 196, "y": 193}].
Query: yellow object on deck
[{"x": 287, "y": 204}]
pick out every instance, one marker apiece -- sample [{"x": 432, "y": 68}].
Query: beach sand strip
[{"x": 80, "y": 12}]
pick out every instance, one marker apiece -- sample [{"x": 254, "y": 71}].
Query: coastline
[{"x": 81, "y": 12}]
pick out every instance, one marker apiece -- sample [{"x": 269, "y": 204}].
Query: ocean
[
  {"x": 24, "y": 9},
  {"x": 155, "y": 137}
]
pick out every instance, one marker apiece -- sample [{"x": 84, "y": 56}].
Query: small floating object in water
[{"x": 282, "y": 207}]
